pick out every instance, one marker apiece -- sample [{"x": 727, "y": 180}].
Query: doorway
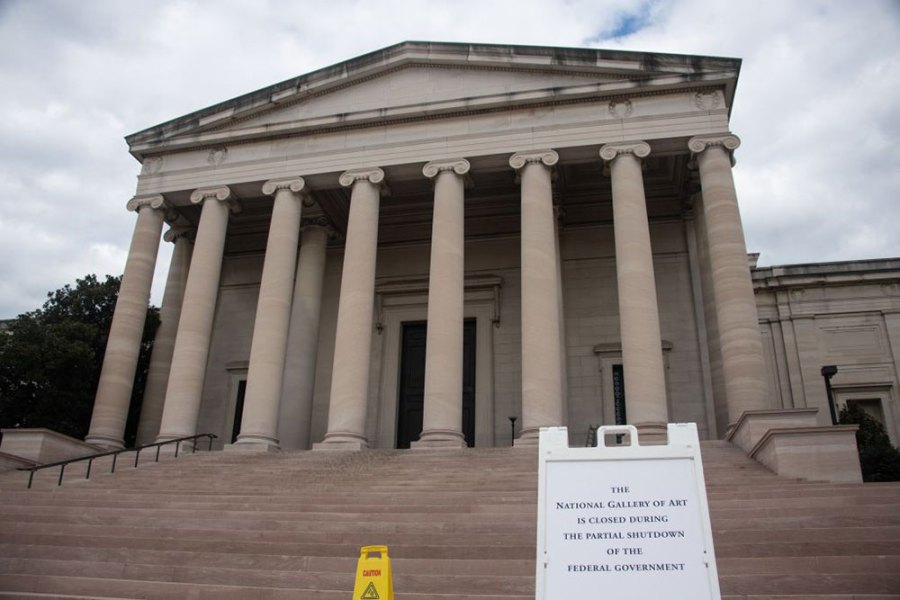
[
  {"x": 238, "y": 410},
  {"x": 412, "y": 383}
]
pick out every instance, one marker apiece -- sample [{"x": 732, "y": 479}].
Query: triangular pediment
[{"x": 416, "y": 80}]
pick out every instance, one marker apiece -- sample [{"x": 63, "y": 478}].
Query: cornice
[
  {"x": 214, "y": 138},
  {"x": 610, "y": 64}
]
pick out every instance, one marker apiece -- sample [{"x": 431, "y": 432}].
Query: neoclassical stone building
[{"x": 564, "y": 220}]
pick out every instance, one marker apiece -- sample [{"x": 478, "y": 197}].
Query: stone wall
[{"x": 845, "y": 314}]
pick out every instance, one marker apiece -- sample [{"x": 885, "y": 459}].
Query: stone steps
[{"x": 459, "y": 524}]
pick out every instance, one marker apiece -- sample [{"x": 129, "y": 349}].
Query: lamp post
[
  {"x": 512, "y": 428},
  {"x": 828, "y": 372}
]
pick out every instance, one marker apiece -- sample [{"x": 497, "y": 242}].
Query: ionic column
[
  {"x": 353, "y": 339},
  {"x": 303, "y": 338},
  {"x": 743, "y": 364},
  {"x": 164, "y": 342},
  {"x": 259, "y": 424},
  {"x": 124, "y": 344},
  {"x": 442, "y": 417},
  {"x": 645, "y": 382},
  {"x": 185, "y": 387},
  {"x": 542, "y": 403}
]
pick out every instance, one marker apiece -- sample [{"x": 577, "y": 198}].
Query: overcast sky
[{"x": 817, "y": 105}]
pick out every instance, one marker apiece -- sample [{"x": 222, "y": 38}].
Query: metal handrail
[{"x": 115, "y": 454}]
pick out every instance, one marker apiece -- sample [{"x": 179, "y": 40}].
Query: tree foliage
[
  {"x": 50, "y": 359},
  {"x": 879, "y": 460}
]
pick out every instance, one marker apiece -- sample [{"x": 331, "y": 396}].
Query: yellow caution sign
[{"x": 373, "y": 575}]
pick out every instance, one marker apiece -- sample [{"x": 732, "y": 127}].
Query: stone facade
[
  {"x": 577, "y": 206},
  {"x": 843, "y": 314}
]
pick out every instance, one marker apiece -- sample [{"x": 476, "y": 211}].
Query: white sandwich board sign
[{"x": 626, "y": 522}]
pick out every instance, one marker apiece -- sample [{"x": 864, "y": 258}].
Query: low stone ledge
[
  {"x": 8, "y": 462},
  {"x": 811, "y": 453},
  {"x": 754, "y": 424},
  {"x": 44, "y": 445}
]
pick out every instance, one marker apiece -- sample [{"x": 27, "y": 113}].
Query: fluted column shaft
[
  {"x": 645, "y": 383},
  {"x": 164, "y": 342},
  {"x": 353, "y": 339},
  {"x": 259, "y": 424},
  {"x": 303, "y": 340},
  {"x": 185, "y": 387},
  {"x": 442, "y": 417},
  {"x": 743, "y": 364},
  {"x": 124, "y": 343},
  {"x": 542, "y": 403}
]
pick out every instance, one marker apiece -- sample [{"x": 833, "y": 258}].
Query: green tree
[
  {"x": 879, "y": 460},
  {"x": 50, "y": 359}
]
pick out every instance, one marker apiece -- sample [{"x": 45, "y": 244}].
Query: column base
[
  {"x": 105, "y": 442},
  {"x": 652, "y": 434},
  {"x": 251, "y": 447},
  {"x": 440, "y": 438},
  {"x": 342, "y": 441},
  {"x": 258, "y": 442},
  {"x": 529, "y": 437}
]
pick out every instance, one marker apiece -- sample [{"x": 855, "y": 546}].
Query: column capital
[
  {"x": 700, "y": 143},
  {"x": 321, "y": 222},
  {"x": 375, "y": 176},
  {"x": 460, "y": 166},
  {"x": 520, "y": 159},
  {"x": 180, "y": 233},
  {"x": 222, "y": 194},
  {"x": 610, "y": 152},
  {"x": 156, "y": 202},
  {"x": 294, "y": 184}
]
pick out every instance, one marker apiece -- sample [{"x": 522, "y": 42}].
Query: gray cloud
[{"x": 816, "y": 106}]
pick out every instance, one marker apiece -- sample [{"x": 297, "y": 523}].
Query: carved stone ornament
[
  {"x": 728, "y": 141},
  {"x": 156, "y": 202},
  {"x": 707, "y": 100},
  {"x": 217, "y": 156},
  {"x": 460, "y": 166},
  {"x": 294, "y": 184},
  {"x": 620, "y": 109},
  {"x": 180, "y": 233},
  {"x": 222, "y": 194},
  {"x": 610, "y": 152},
  {"x": 700, "y": 143},
  {"x": 520, "y": 159},
  {"x": 374, "y": 176}
]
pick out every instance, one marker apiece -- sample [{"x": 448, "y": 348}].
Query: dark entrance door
[
  {"x": 412, "y": 383},
  {"x": 238, "y": 410}
]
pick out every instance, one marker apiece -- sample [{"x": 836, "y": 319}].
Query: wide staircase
[{"x": 459, "y": 524}]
